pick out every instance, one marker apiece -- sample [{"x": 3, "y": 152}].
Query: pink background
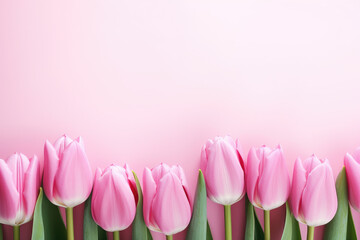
[{"x": 146, "y": 82}]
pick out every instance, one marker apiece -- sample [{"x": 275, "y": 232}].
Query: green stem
[
  {"x": 16, "y": 232},
  {"x": 227, "y": 215},
  {"x": 310, "y": 233},
  {"x": 116, "y": 235},
  {"x": 169, "y": 237},
  {"x": 267, "y": 224},
  {"x": 70, "y": 223}
]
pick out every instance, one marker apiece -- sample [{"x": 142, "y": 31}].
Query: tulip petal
[
  {"x": 113, "y": 204},
  {"x": 204, "y": 155},
  {"x": 73, "y": 180},
  {"x": 172, "y": 206},
  {"x": 9, "y": 200},
  {"x": 179, "y": 172},
  {"x": 230, "y": 140},
  {"x": 61, "y": 143},
  {"x": 352, "y": 173},
  {"x": 32, "y": 180},
  {"x": 208, "y": 144},
  {"x": 274, "y": 182},
  {"x": 98, "y": 175},
  {"x": 51, "y": 163},
  {"x": 80, "y": 140},
  {"x": 159, "y": 171},
  {"x": 240, "y": 152},
  {"x": 252, "y": 175},
  {"x": 131, "y": 179},
  {"x": 263, "y": 151},
  {"x": 18, "y": 164},
  {"x": 298, "y": 185},
  {"x": 356, "y": 155},
  {"x": 224, "y": 174},
  {"x": 203, "y": 159},
  {"x": 149, "y": 191},
  {"x": 129, "y": 175},
  {"x": 319, "y": 200},
  {"x": 311, "y": 163}
]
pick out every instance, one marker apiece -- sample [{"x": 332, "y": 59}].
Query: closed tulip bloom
[
  {"x": 113, "y": 203},
  {"x": 267, "y": 178},
  {"x": 68, "y": 178},
  {"x": 19, "y": 187},
  {"x": 223, "y": 167},
  {"x": 167, "y": 206},
  {"x": 352, "y": 167},
  {"x": 313, "y": 199}
]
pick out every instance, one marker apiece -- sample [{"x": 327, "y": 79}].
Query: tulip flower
[
  {"x": 113, "y": 204},
  {"x": 223, "y": 167},
  {"x": 20, "y": 179},
  {"x": 313, "y": 199},
  {"x": 268, "y": 181},
  {"x": 352, "y": 167},
  {"x": 68, "y": 177},
  {"x": 166, "y": 206}
]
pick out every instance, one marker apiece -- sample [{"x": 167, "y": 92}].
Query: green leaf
[
  {"x": 351, "y": 232},
  {"x": 139, "y": 230},
  {"x": 47, "y": 223},
  {"x": 91, "y": 230},
  {"x": 1, "y": 232},
  {"x": 342, "y": 225},
  {"x": 199, "y": 227},
  {"x": 208, "y": 232},
  {"x": 291, "y": 227},
  {"x": 253, "y": 230}
]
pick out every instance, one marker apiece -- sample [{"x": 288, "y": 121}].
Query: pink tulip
[
  {"x": 267, "y": 178},
  {"x": 19, "y": 188},
  {"x": 68, "y": 178},
  {"x": 223, "y": 167},
  {"x": 313, "y": 199},
  {"x": 352, "y": 166},
  {"x": 113, "y": 205},
  {"x": 167, "y": 206}
]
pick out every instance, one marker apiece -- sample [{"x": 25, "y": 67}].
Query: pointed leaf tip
[
  {"x": 139, "y": 228},
  {"x": 199, "y": 227},
  {"x": 342, "y": 225},
  {"x": 47, "y": 221},
  {"x": 291, "y": 227},
  {"x": 253, "y": 230}
]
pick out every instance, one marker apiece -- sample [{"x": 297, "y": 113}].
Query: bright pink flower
[
  {"x": 267, "y": 178},
  {"x": 167, "y": 206},
  {"x": 113, "y": 205},
  {"x": 19, "y": 188},
  {"x": 352, "y": 166},
  {"x": 68, "y": 178},
  {"x": 223, "y": 167},
  {"x": 313, "y": 199}
]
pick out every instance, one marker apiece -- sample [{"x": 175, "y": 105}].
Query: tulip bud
[
  {"x": 19, "y": 188},
  {"x": 166, "y": 206},
  {"x": 313, "y": 199},
  {"x": 267, "y": 178},
  {"x": 68, "y": 178},
  {"x": 113, "y": 203},
  {"x": 352, "y": 167},
  {"x": 223, "y": 167}
]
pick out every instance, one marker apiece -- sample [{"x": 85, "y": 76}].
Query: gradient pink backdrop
[{"x": 146, "y": 82}]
